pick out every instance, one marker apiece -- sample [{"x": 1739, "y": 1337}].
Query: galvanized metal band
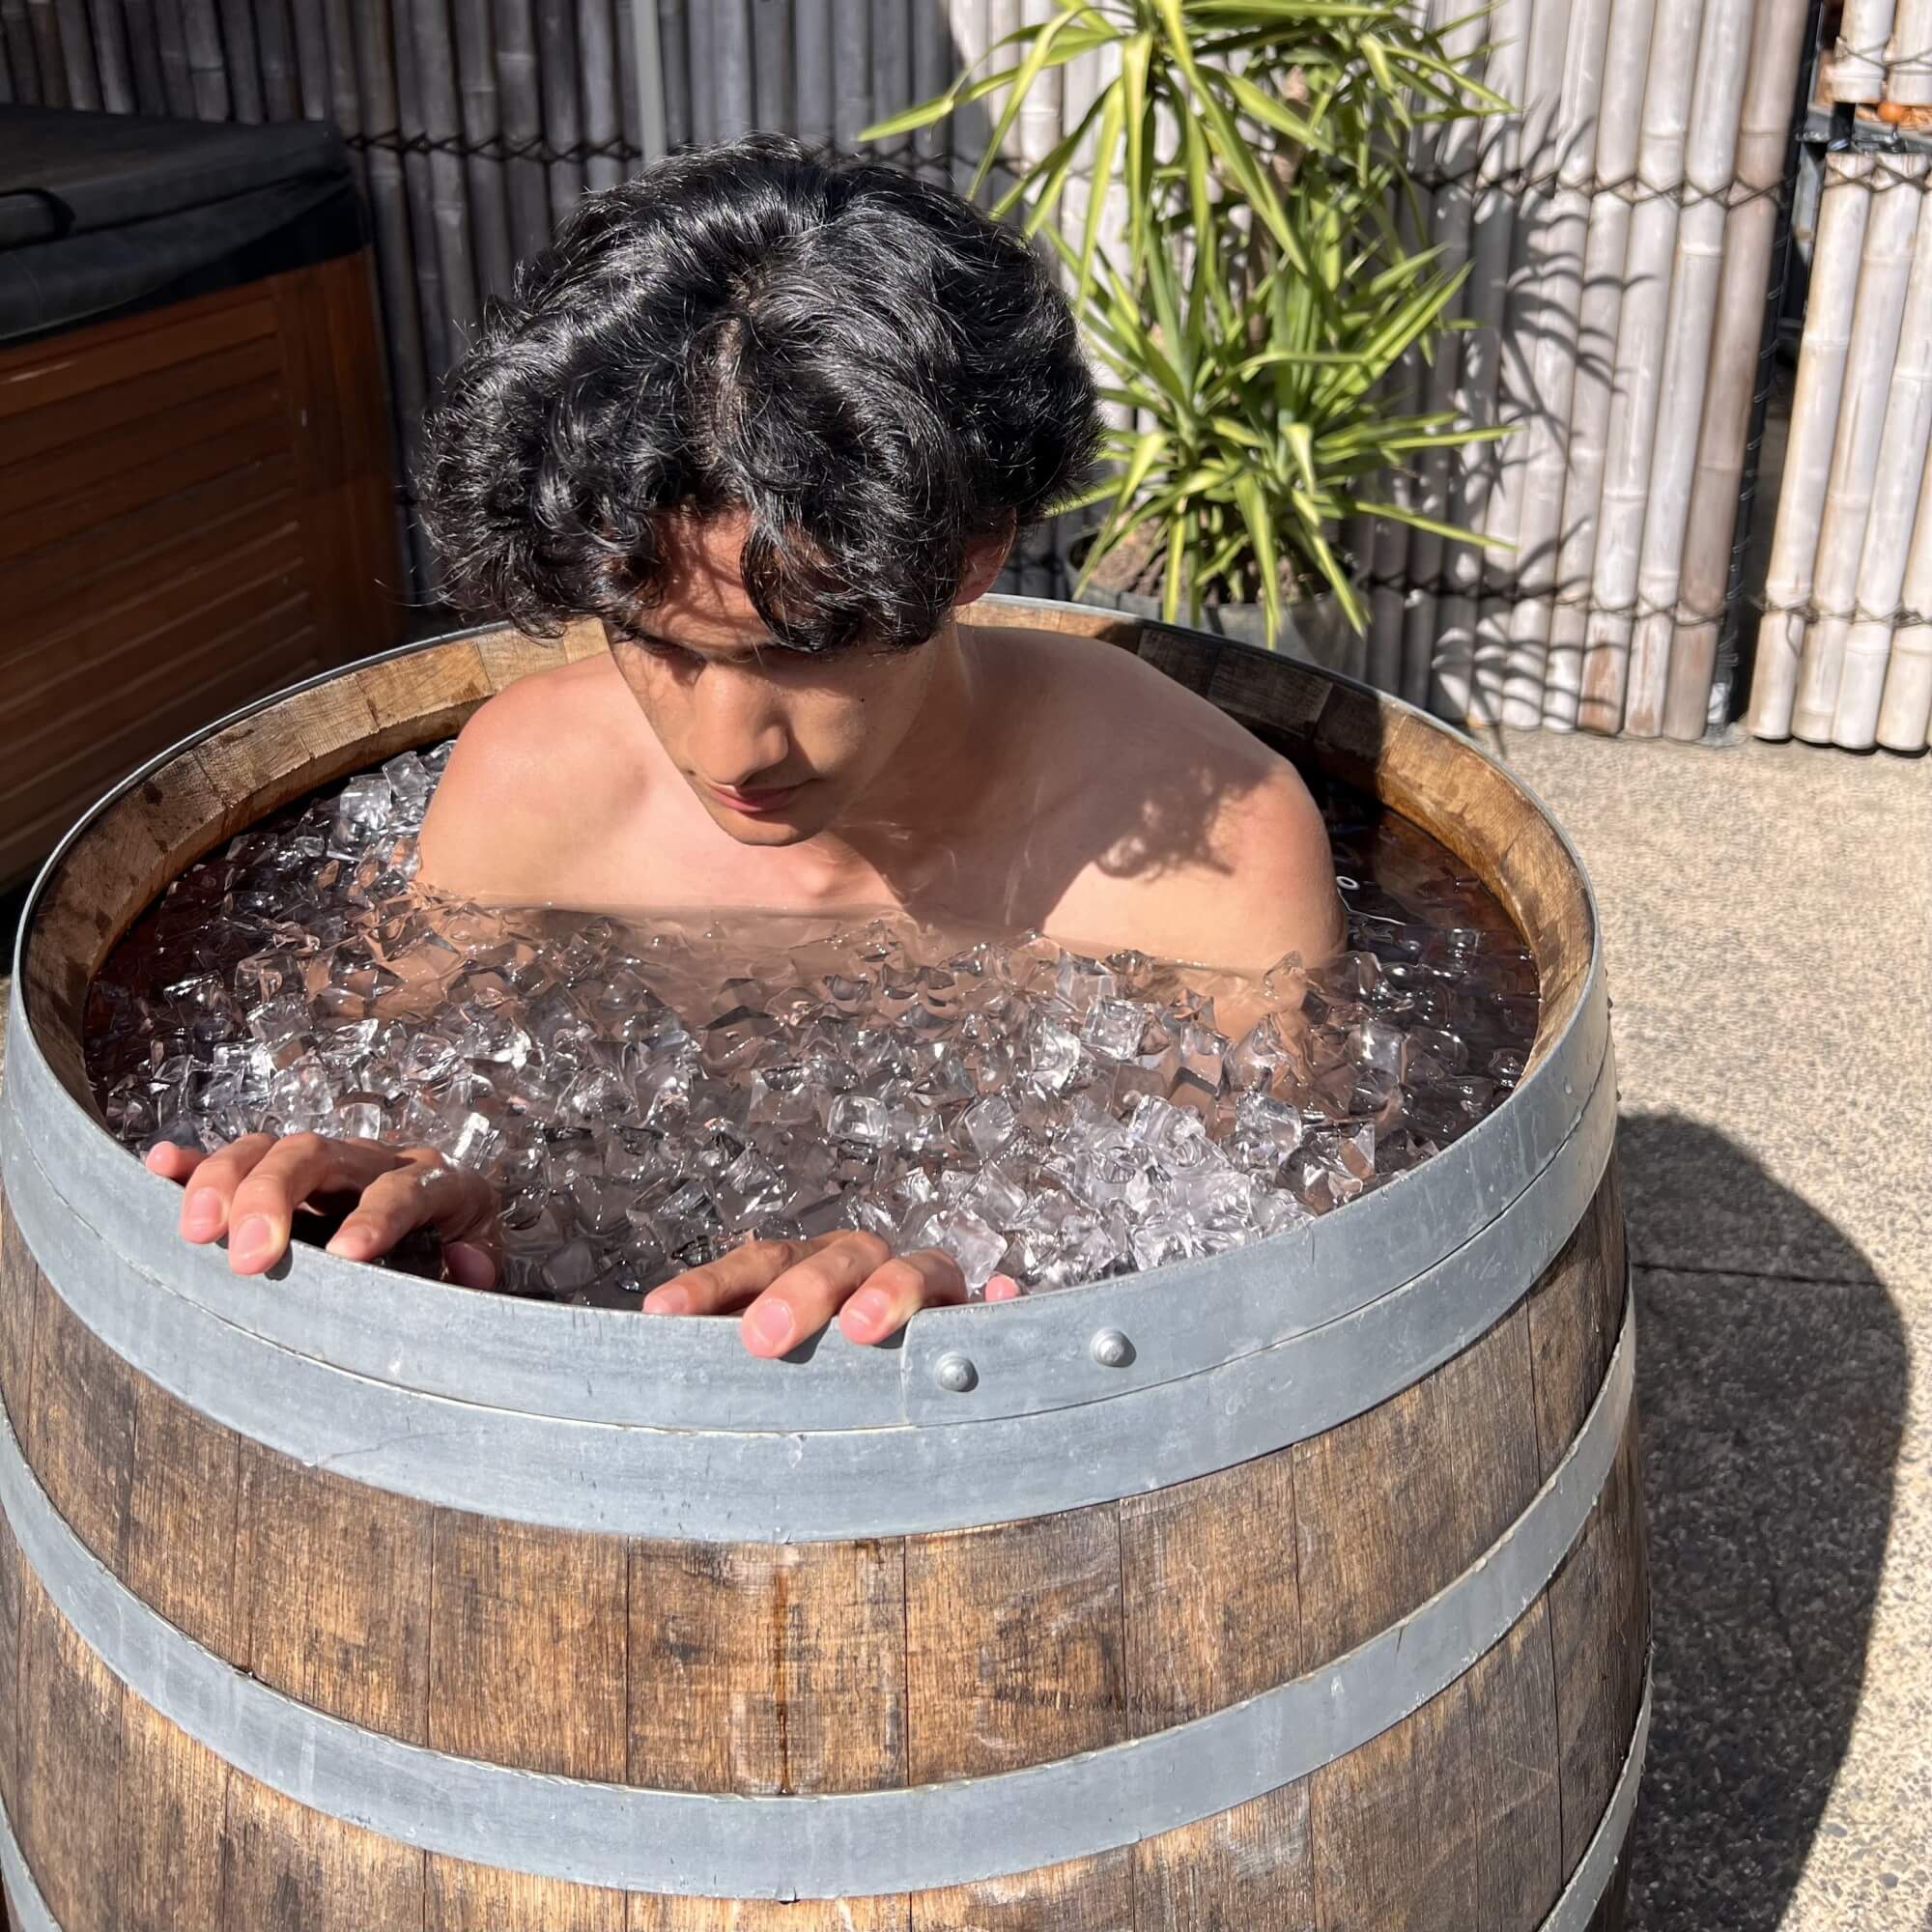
[
  {"x": 608, "y": 1365},
  {"x": 835, "y": 1846},
  {"x": 1572, "y": 1912},
  {"x": 22, "y": 1893},
  {"x": 790, "y": 1486},
  {"x": 1031, "y": 1355}
]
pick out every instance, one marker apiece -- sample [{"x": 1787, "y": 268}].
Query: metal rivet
[
  {"x": 956, "y": 1371},
  {"x": 1111, "y": 1349}
]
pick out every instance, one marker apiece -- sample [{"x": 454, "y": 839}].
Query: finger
[
  {"x": 728, "y": 1283},
  {"x": 211, "y": 1181},
  {"x": 262, "y": 1209},
  {"x": 425, "y": 1191},
  {"x": 807, "y": 1295},
  {"x": 894, "y": 1293},
  {"x": 1003, "y": 1288},
  {"x": 171, "y": 1161}
]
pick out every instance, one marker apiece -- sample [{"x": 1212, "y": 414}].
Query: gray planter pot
[{"x": 1313, "y": 629}]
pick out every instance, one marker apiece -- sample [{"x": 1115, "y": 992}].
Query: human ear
[{"x": 985, "y": 558}]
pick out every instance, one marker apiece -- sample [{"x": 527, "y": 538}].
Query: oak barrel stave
[{"x": 834, "y": 1666}]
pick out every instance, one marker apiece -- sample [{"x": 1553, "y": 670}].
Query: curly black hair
[{"x": 864, "y": 363}]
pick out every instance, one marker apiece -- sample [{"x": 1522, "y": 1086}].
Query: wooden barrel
[{"x": 1298, "y": 1588}]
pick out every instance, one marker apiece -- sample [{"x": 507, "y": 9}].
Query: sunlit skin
[{"x": 989, "y": 778}]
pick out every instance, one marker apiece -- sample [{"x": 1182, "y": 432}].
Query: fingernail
[
  {"x": 469, "y": 1266},
  {"x": 353, "y": 1241},
  {"x": 203, "y": 1214},
  {"x": 255, "y": 1237},
  {"x": 771, "y": 1322},
  {"x": 871, "y": 1306},
  {"x": 669, "y": 1301}
]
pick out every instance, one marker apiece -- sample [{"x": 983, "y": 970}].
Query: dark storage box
[{"x": 195, "y": 493}]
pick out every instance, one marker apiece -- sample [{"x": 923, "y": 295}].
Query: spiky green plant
[{"x": 1267, "y": 299}]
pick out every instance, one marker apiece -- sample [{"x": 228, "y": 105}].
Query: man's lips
[{"x": 754, "y": 803}]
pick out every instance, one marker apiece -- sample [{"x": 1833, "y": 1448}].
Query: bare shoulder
[
  {"x": 533, "y": 769},
  {"x": 1202, "y": 842}
]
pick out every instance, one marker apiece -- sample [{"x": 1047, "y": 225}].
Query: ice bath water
[{"x": 647, "y": 1093}]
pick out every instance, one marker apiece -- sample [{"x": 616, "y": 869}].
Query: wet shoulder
[
  {"x": 536, "y": 769},
  {"x": 1195, "y": 840},
  {"x": 1100, "y": 700}
]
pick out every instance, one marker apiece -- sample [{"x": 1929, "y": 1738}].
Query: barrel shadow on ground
[{"x": 1772, "y": 1407}]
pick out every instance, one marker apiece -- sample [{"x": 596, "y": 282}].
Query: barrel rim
[
  {"x": 1031, "y": 1355},
  {"x": 786, "y": 1483},
  {"x": 892, "y": 1840}
]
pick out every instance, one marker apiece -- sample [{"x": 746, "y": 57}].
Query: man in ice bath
[{"x": 772, "y": 417}]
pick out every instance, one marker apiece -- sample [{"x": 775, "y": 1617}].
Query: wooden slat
[
  {"x": 69, "y": 1815},
  {"x": 183, "y": 1520},
  {"x": 47, "y": 521},
  {"x": 99, "y": 412},
  {"x": 1212, "y": 1611},
  {"x": 1400, "y": 1501},
  {"x": 340, "y": 433},
  {"x": 1212, "y": 1617},
  {"x": 81, "y": 1438},
  {"x": 479, "y": 1898},
  {"x": 286, "y": 1868},
  {"x": 20, "y": 1299},
  {"x": 767, "y": 1668},
  {"x": 418, "y": 701},
  {"x": 36, "y": 374},
  {"x": 171, "y": 1857},
  {"x": 64, "y": 483},
  {"x": 1014, "y": 1644},
  {"x": 337, "y": 1579},
  {"x": 1598, "y": 1603},
  {"x": 507, "y": 655},
  {"x": 653, "y": 1913},
  {"x": 113, "y": 618},
  {"x": 1390, "y": 1506},
  {"x": 99, "y": 566},
  {"x": 1249, "y": 1867},
  {"x": 1514, "y": 1800},
  {"x": 1598, "y": 1614},
  {"x": 9, "y": 1668},
  {"x": 1086, "y": 1895},
  {"x": 1391, "y": 1827},
  {"x": 1574, "y": 1316},
  {"x": 244, "y": 663},
  {"x": 67, "y": 694},
  {"x": 1080, "y": 620},
  {"x": 527, "y": 1646}
]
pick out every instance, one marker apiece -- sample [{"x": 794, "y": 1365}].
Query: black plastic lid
[{"x": 102, "y": 214}]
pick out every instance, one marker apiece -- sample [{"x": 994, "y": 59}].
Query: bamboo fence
[
  {"x": 1844, "y": 656},
  {"x": 1621, "y": 226}
]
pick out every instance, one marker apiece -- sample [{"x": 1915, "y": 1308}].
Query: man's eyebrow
[{"x": 753, "y": 648}]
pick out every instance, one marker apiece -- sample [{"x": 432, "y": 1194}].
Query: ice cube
[
  {"x": 989, "y": 1124},
  {"x": 858, "y": 1118},
  {"x": 1115, "y": 1027},
  {"x": 968, "y": 1240}
]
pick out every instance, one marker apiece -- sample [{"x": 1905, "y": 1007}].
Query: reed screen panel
[{"x": 1620, "y": 228}]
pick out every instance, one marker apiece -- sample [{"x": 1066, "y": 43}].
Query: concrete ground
[
  {"x": 1768, "y": 912},
  {"x": 1768, "y": 916}
]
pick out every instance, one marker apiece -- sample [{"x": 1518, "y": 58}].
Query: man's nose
[{"x": 741, "y": 728}]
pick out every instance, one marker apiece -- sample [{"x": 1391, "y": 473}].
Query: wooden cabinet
[{"x": 195, "y": 508}]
